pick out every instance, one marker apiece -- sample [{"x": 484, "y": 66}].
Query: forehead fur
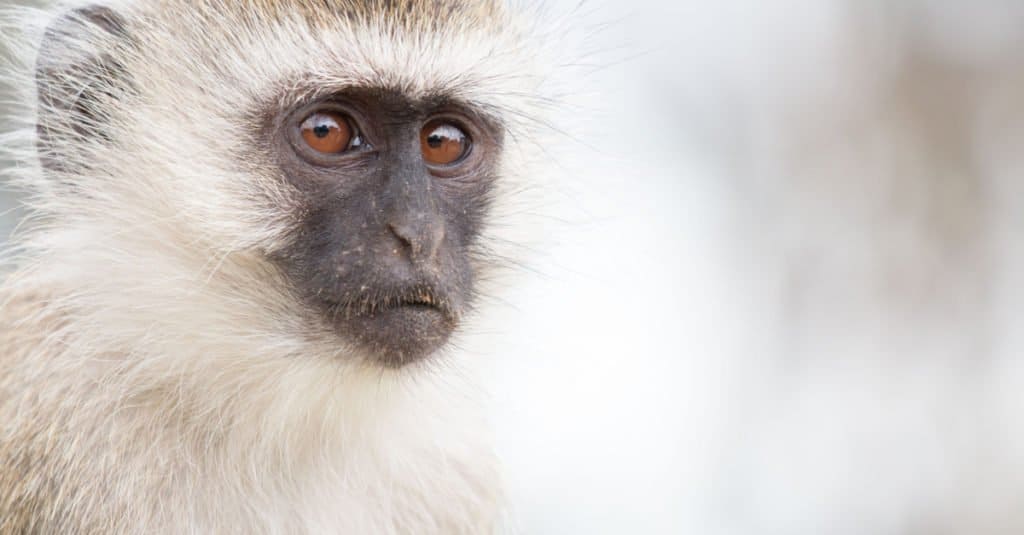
[
  {"x": 415, "y": 15},
  {"x": 476, "y": 51}
]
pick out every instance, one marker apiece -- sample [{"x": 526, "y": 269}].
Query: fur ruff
[{"x": 156, "y": 375}]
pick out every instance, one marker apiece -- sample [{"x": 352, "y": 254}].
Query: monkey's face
[
  {"x": 392, "y": 195},
  {"x": 337, "y": 160}
]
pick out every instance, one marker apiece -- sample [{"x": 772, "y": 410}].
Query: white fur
[{"x": 187, "y": 389}]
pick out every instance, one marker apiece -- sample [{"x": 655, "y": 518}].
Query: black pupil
[
  {"x": 321, "y": 131},
  {"x": 435, "y": 140}
]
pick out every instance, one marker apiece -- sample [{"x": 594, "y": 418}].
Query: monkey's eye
[
  {"x": 443, "y": 143},
  {"x": 330, "y": 132}
]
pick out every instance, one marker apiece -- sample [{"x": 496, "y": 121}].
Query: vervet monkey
[{"x": 255, "y": 227}]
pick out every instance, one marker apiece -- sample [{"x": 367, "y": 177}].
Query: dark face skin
[{"x": 382, "y": 249}]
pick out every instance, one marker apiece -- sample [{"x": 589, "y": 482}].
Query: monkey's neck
[{"x": 182, "y": 383}]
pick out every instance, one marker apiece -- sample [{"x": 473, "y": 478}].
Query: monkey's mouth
[
  {"x": 418, "y": 300},
  {"x": 396, "y": 329}
]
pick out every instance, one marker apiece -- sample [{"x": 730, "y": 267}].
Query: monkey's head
[{"x": 330, "y": 167}]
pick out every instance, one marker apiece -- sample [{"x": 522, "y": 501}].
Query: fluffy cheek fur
[
  {"x": 230, "y": 424},
  {"x": 147, "y": 332}
]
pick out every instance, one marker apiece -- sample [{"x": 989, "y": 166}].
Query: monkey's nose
[{"x": 421, "y": 237}]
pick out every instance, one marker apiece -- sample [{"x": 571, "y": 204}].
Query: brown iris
[
  {"x": 443, "y": 143},
  {"x": 327, "y": 132}
]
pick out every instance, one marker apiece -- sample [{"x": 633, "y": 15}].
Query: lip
[
  {"x": 397, "y": 329},
  {"x": 423, "y": 300},
  {"x": 419, "y": 299}
]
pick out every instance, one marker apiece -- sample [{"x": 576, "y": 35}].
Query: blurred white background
[
  {"x": 783, "y": 295},
  {"x": 791, "y": 309}
]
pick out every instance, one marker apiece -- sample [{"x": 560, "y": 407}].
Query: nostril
[
  {"x": 407, "y": 237},
  {"x": 422, "y": 241},
  {"x": 402, "y": 236}
]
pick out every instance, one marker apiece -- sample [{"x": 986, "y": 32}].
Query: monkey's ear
[{"x": 78, "y": 77}]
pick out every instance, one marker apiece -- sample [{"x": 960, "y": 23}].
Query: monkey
[{"x": 256, "y": 232}]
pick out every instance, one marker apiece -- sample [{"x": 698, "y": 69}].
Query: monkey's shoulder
[
  {"x": 27, "y": 319},
  {"x": 19, "y": 503},
  {"x": 34, "y": 482}
]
